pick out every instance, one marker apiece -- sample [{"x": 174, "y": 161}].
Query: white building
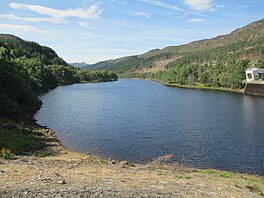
[{"x": 254, "y": 74}]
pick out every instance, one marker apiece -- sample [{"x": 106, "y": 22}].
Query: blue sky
[{"x": 96, "y": 30}]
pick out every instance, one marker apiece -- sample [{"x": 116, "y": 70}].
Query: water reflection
[{"x": 138, "y": 120}]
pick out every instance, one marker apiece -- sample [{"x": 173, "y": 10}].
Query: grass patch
[
  {"x": 203, "y": 86},
  {"x": 6, "y": 153},
  {"x": 262, "y": 181},
  {"x": 44, "y": 154},
  {"x": 255, "y": 185},
  {"x": 225, "y": 175},
  {"x": 103, "y": 162},
  {"x": 254, "y": 188},
  {"x": 258, "y": 188},
  {"x": 207, "y": 171},
  {"x": 219, "y": 174},
  {"x": 183, "y": 177},
  {"x": 162, "y": 172},
  {"x": 19, "y": 140},
  {"x": 248, "y": 179},
  {"x": 179, "y": 177}
]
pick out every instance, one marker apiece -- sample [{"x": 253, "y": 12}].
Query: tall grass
[{"x": 17, "y": 139}]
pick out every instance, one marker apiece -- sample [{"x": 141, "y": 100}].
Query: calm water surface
[{"x": 140, "y": 120}]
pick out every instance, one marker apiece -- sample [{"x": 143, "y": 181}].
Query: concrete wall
[{"x": 254, "y": 89}]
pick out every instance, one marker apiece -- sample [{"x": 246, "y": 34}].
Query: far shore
[
  {"x": 195, "y": 86},
  {"x": 199, "y": 86}
]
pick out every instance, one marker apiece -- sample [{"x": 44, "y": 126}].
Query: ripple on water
[{"x": 139, "y": 120}]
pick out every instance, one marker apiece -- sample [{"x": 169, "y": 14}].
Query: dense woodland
[
  {"x": 27, "y": 69},
  {"x": 219, "y": 67},
  {"x": 216, "y": 62}
]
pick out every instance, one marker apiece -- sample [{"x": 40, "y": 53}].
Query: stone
[
  {"x": 124, "y": 162},
  {"x": 25, "y": 193},
  {"x": 62, "y": 182}
]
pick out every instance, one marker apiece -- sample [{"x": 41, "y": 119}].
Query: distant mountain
[
  {"x": 82, "y": 64},
  {"x": 243, "y": 43}
]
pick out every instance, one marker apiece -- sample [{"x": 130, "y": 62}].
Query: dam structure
[{"x": 254, "y": 82}]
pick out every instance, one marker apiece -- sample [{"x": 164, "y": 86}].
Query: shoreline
[
  {"x": 61, "y": 149},
  {"x": 196, "y": 86},
  {"x": 236, "y": 91},
  {"x": 53, "y": 135},
  {"x": 57, "y": 170},
  {"x": 199, "y": 86}
]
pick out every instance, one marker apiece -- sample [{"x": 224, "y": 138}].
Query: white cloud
[
  {"x": 91, "y": 12},
  {"x": 196, "y": 20},
  {"x": 124, "y": 23},
  {"x": 120, "y": 2},
  {"x": 169, "y": 6},
  {"x": 84, "y": 24},
  {"x": 182, "y": 16},
  {"x": 28, "y": 19},
  {"x": 241, "y": 7},
  {"x": 216, "y": 7},
  {"x": 23, "y": 28},
  {"x": 140, "y": 14},
  {"x": 202, "y": 5},
  {"x": 199, "y": 5}
]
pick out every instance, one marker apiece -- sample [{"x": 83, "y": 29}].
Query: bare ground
[
  {"x": 157, "y": 66},
  {"x": 70, "y": 174}
]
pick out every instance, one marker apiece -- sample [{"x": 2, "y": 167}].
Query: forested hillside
[
  {"x": 27, "y": 69},
  {"x": 216, "y": 62}
]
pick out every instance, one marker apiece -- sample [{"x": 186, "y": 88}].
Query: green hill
[
  {"x": 218, "y": 62},
  {"x": 27, "y": 69}
]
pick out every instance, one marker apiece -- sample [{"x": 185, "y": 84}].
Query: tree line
[
  {"x": 27, "y": 69},
  {"x": 223, "y": 66}
]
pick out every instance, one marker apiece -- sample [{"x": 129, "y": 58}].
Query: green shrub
[
  {"x": 19, "y": 140},
  {"x": 6, "y": 153}
]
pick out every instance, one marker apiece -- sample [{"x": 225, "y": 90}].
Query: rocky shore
[{"x": 58, "y": 172}]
